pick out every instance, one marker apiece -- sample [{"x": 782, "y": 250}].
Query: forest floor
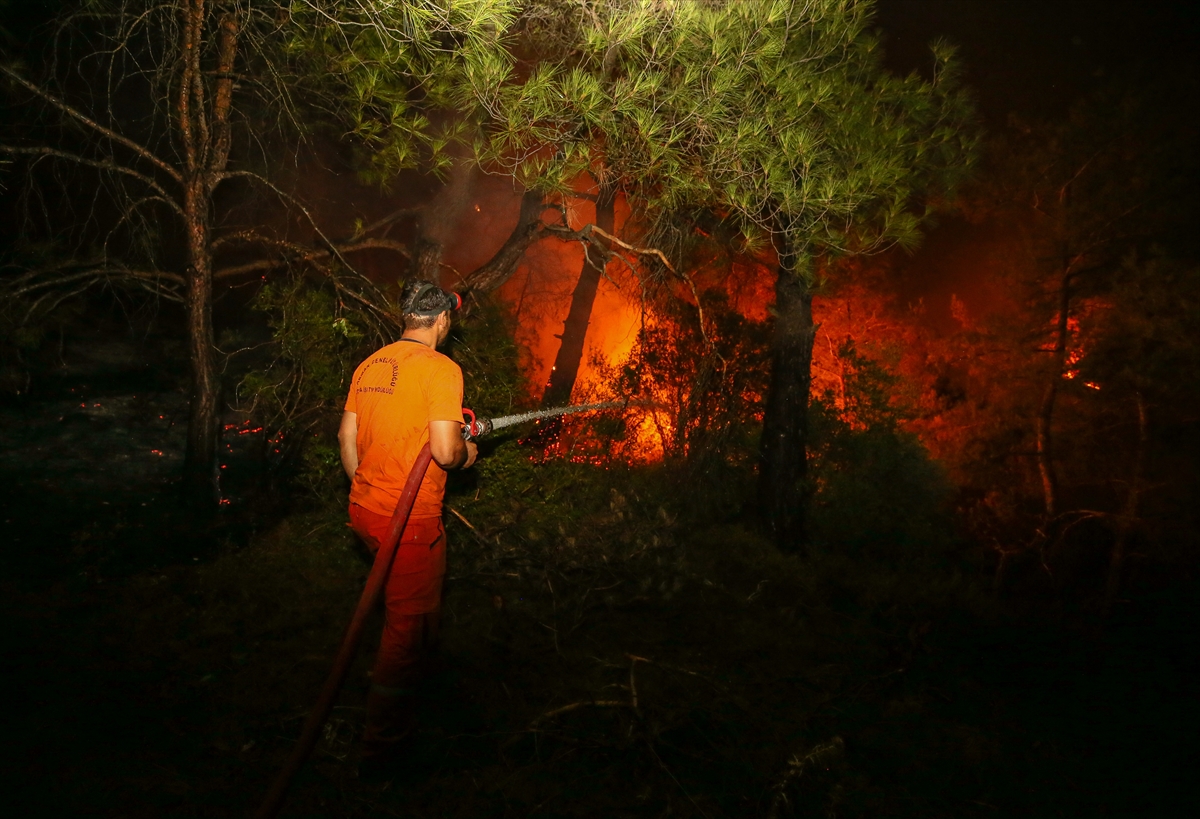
[{"x": 156, "y": 667}]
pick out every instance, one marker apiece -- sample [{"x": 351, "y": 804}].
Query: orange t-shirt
[{"x": 395, "y": 394}]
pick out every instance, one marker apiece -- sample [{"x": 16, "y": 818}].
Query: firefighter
[{"x": 402, "y": 396}]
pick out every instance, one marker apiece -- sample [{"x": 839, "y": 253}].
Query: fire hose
[{"x": 376, "y": 580}]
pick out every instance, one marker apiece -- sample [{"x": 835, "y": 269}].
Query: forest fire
[
  {"x": 845, "y": 386},
  {"x": 540, "y": 296}
]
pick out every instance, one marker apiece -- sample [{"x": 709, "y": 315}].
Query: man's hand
[{"x": 447, "y": 446}]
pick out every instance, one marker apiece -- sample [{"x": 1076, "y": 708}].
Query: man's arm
[
  {"x": 447, "y": 446},
  {"x": 348, "y": 443}
]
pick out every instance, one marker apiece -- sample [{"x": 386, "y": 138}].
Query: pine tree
[{"x": 777, "y": 116}]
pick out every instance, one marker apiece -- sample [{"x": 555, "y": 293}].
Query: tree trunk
[
  {"x": 570, "y": 352},
  {"x": 200, "y": 461},
  {"x": 204, "y": 128},
  {"x": 1045, "y": 452},
  {"x": 1001, "y": 576},
  {"x": 784, "y": 491},
  {"x": 1129, "y": 514},
  {"x": 427, "y": 260},
  {"x": 1045, "y": 416},
  {"x": 497, "y": 270}
]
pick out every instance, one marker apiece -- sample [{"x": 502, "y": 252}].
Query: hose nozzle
[{"x": 474, "y": 427}]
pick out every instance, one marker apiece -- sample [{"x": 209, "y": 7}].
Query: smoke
[
  {"x": 961, "y": 273},
  {"x": 439, "y": 219},
  {"x": 477, "y": 214}
]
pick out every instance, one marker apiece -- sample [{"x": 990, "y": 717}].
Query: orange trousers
[{"x": 412, "y": 596}]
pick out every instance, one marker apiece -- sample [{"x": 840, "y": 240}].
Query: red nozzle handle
[{"x": 473, "y": 428}]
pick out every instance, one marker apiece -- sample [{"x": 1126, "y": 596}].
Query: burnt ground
[{"x": 157, "y": 665}]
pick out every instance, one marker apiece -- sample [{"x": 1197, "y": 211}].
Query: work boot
[{"x": 391, "y": 717}]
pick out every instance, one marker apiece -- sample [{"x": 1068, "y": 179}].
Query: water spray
[{"x": 476, "y": 427}]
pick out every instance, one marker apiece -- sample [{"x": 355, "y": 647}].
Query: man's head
[{"x": 426, "y": 305}]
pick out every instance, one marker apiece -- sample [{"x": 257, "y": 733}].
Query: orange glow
[
  {"x": 540, "y": 296},
  {"x": 1074, "y": 354},
  {"x": 642, "y": 442},
  {"x": 612, "y": 332},
  {"x": 648, "y": 439}
]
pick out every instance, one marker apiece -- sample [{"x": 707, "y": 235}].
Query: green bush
[
  {"x": 876, "y": 491},
  {"x": 299, "y": 389}
]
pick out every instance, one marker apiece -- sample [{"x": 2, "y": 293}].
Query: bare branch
[
  {"x": 287, "y": 197},
  {"x": 582, "y": 704},
  {"x": 390, "y": 219},
  {"x": 106, "y": 165},
  {"x": 642, "y": 251},
  {"x": 51, "y": 286},
  {"x": 306, "y": 254},
  {"x": 71, "y": 111},
  {"x": 247, "y": 236},
  {"x": 34, "y": 280},
  {"x": 585, "y": 235}
]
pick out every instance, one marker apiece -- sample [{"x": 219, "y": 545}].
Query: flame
[
  {"x": 540, "y": 296},
  {"x": 1074, "y": 353},
  {"x": 244, "y": 428},
  {"x": 650, "y": 436}
]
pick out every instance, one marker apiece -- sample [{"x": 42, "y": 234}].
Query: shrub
[{"x": 877, "y": 492}]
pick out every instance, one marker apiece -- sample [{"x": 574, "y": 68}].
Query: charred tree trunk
[
  {"x": 426, "y": 260},
  {"x": 570, "y": 352},
  {"x": 784, "y": 491},
  {"x": 1129, "y": 513},
  {"x": 1045, "y": 416}
]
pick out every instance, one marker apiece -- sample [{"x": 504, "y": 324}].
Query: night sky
[{"x": 1034, "y": 57}]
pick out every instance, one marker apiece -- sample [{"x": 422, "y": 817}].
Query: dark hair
[{"x": 422, "y": 302}]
